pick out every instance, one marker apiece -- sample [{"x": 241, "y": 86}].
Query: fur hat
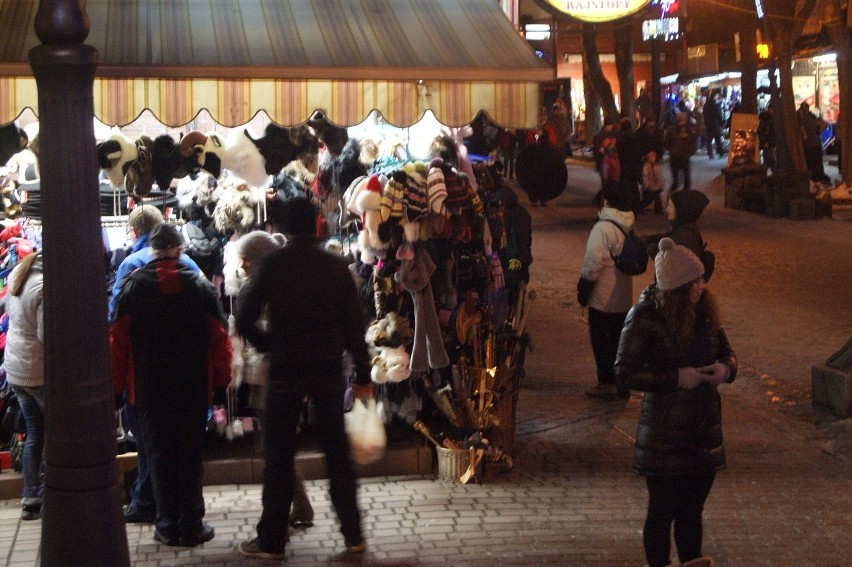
[
  {"x": 243, "y": 158},
  {"x": 676, "y": 265},
  {"x": 256, "y": 243},
  {"x": 367, "y": 195},
  {"x": 166, "y": 161},
  {"x": 164, "y": 236},
  {"x": 391, "y": 365},
  {"x": 617, "y": 196},
  {"x": 115, "y": 154},
  {"x": 140, "y": 174}
]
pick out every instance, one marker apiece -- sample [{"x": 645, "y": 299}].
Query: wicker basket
[{"x": 452, "y": 463}]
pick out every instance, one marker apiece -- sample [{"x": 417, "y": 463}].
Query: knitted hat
[
  {"x": 618, "y": 196},
  {"x": 676, "y": 265},
  {"x": 255, "y": 244},
  {"x": 436, "y": 187},
  {"x": 163, "y": 237}
]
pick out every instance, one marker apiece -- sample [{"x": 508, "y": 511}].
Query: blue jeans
[
  {"x": 142, "y": 491},
  {"x": 31, "y": 401}
]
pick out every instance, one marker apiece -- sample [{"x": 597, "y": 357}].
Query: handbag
[{"x": 366, "y": 432}]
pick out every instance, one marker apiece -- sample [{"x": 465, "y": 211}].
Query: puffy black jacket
[{"x": 679, "y": 431}]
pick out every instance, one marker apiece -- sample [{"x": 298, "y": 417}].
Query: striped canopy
[{"x": 235, "y": 58}]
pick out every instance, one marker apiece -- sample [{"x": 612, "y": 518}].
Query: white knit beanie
[
  {"x": 255, "y": 244},
  {"x": 676, "y": 265}
]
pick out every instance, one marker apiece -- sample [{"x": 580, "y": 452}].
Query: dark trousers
[
  {"x": 717, "y": 138},
  {"x": 680, "y": 166},
  {"x": 174, "y": 441},
  {"x": 284, "y": 405},
  {"x": 605, "y": 331},
  {"x": 142, "y": 491},
  {"x": 679, "y": 499}
]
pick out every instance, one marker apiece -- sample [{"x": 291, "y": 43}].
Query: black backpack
[{"x": 633, "y": 259}]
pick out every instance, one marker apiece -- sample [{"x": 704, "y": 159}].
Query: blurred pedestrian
[
  {"x": 683, "y": 211},
  {"x": 811, "y": 128},
  {"x": 170, "y": 353},
  {"x": 674, "y": 350},
  {"x": 652, "y": 183},
  {"x": 680, "y": 142},
  {"x": 766, "y": 137},
  {"x": 24, "y": 364},
  {"x": 314, "y": 316},
  {"x": 606, "y": 290},
  {"x": 713, "y": 122},
  {"x": 643, "y": 104},
  {"x": 141, "y": 221},
  {"x": 630, "y": 156},
  {"x": 254, "y": 365},
  {"x": 603, "y": 140}
]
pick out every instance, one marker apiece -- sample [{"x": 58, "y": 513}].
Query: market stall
[{"x": 320, "y": 55}]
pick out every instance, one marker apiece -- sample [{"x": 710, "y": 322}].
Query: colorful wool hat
[{"x": 436, "y": 188}]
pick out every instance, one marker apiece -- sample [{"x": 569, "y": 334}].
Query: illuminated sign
[
  {"x": 598, "y": 10},
  {"x": 758, "y": 5},
  {"x": 667, "y": 7},
  {"x": 662, "y": 28}
]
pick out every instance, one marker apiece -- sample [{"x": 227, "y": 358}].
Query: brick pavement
[{"x": 571, "y": 499}]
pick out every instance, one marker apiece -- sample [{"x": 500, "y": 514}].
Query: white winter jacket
[
  {"x": 613, "y": 291},
  {"x": 24, "y": 355}
]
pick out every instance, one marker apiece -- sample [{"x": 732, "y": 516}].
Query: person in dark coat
[
  {"x": 713, "y": 122},
  {"x": 811, "y": 128},
  {"x": 766, "y": 137},
  {"x": 683, "y": 211},
  {"x": 674, "y": 349},
  {"x": 314, "y": 316},
  {"x": 630, "y": 156},
  {"x": 680, "y": 142},
  {"x": 170, "y": 352}
]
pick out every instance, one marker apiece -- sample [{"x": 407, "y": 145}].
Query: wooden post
[{"x": 82, "y": 522}]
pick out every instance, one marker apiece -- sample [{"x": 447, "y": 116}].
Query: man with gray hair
[{"x": 170, "y": 352}]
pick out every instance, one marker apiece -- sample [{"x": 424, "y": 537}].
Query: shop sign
[{"x": 598, "y": 10}]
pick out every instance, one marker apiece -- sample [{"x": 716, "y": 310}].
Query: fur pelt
[{"x": 235, "y": 210}]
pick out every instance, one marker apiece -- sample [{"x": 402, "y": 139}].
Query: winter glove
[
  {"x": 220, "y": 396},
  {"x": 584, "y": 291},
  {"x": 119, "y": 401}
]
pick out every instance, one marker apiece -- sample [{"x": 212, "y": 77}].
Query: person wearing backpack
[{"x": 604, "y": 289}]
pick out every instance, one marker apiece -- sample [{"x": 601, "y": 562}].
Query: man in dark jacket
[
  {"x": 170, "y": 351},
  {"x": 314, "y": 316},
  {"x": 680, "y": 142},
  {"x": 713, "y": 124}
]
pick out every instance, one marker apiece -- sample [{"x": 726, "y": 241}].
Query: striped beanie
[{"x": 436, "y": 189}]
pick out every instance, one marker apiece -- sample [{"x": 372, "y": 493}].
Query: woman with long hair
[{"x": 673, "y": 349}]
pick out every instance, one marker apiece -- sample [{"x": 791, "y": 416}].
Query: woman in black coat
[{"x": 674, "y": 350}]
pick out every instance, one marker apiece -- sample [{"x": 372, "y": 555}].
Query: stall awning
[{"x": 238, "y": 57}]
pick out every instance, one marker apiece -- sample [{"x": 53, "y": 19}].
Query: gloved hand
[
  {"x": 220, "y": 396},
  {"x": 119, "y": 401},
  {"x": 515, "y": 265},
  {"x": 584, "y": 291}
]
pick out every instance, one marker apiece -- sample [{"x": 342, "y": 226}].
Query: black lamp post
[{"x": 82, "y": 523}]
